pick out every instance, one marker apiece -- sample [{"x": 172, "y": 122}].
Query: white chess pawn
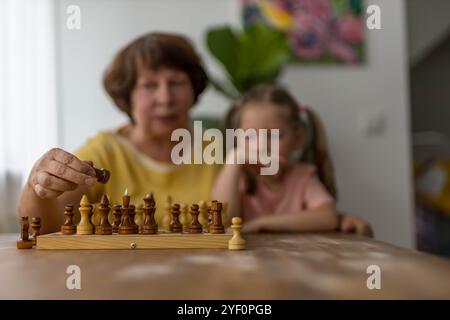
[{"x": 236, "y": 242}]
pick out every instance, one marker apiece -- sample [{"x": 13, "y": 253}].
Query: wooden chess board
[{"x": 161, "y": 240}]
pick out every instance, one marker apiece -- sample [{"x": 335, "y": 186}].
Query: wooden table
[{"x": 275, "y": 266}]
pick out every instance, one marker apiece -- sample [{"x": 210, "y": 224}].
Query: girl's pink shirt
[{"x": 302, "y": 190}]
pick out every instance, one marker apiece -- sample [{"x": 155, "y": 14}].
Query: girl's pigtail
[{"x": 316, "y": 151}]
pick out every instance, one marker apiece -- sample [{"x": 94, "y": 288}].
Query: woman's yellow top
[{"x": 139, "y": 174}]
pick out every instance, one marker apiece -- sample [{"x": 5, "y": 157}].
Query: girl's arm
[
  {"x": 226, "y": 189},
  {"x": 322, "y": 218}
]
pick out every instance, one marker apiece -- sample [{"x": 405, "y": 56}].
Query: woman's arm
[{"x": 322, "y": 218}]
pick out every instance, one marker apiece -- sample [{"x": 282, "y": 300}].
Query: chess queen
[{"x": 155, "y": 80}]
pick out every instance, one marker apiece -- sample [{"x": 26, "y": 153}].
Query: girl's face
[
  {"x": 161, "y": 100},
  {"x": 268, "y": 116}
]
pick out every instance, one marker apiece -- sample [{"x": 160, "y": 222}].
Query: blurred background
[{"x": 382, "y": 94}]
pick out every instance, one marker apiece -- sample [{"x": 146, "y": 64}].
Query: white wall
[
  {"x": 372, "y": 171},
  {"x": 107, "y": 25}
]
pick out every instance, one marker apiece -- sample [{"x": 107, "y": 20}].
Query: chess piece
[
  {"x": 203, "y": 215},
  {"x": 132, "y": 219},
  {"x": 36, "y": 227},
  {"x": 104, "y": 228},
  {"x": 139, "y": 217},
  {"x": 195, "y": 226},
  {"x": 24, "y": 242},
  {"x": 149, "y": 226},
  {"x": 216, "y": 225},
  {"x": 167, "y": 217},
  {"x": 126, "y": 226},
  {"x": 85, "y": 226},
  {"x": 117, "y": 213},
  {"x": 68, "y": 227},
  {"x": 236, "y": 242},
  {"x": 102, "y": 175},
  {"x": 184, "y": 215},
  {"x": 175, "y": 225}
]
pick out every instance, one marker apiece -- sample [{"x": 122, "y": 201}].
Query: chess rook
[
  {"x": 175, "y": 225},
  {"x": 216, "y": 225}
]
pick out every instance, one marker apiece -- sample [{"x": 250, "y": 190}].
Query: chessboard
[
  {"x": 161, "y": 240},
  {"x": 135, "y": 227}
]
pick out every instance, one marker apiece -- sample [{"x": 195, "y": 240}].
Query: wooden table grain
[{"x": 275, "y": 266}]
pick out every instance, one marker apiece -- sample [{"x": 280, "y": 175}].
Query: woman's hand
[
  {"x": 349, "y": 223},
  {"x": 58, "y": 171}
]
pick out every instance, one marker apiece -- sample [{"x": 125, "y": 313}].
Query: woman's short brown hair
[{"x": 153, "y": 51}]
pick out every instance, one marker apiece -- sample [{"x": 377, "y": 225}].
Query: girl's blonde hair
[{"x": 315, "y": 149}]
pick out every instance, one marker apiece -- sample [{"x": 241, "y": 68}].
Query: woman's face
[{"x": 161, "y": 100}]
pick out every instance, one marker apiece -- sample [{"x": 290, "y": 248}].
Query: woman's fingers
[
  {"x": 58, "y": 171},
  {"x": 67, "y": 173},
  {"x": 69, "y": 160},
  {"x": 45, "y": 193},
  {"x": 46, "y": 180}
]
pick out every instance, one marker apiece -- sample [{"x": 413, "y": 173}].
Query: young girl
[{"x": 293, "y": 199}]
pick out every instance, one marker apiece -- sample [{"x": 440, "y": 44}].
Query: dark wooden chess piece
[
  {"x": 36, "y": 229},
  {"x": 216, "y": 225},
  {"x": 68, "y": 227},
  {"x": 126, "y": 227},
  {"x": 102, "y": 175},
  {"x": 150, "y": 226},
  {"x": 195, "y": 226},
  {"x": 104, "y": 228},
  {"x": 117, "y": 213},
  {"x": 24, "y": 242},
  {"x": 175, "y": 225}
]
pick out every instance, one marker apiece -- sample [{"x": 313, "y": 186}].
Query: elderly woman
[{"x": 155, "y": 80}]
